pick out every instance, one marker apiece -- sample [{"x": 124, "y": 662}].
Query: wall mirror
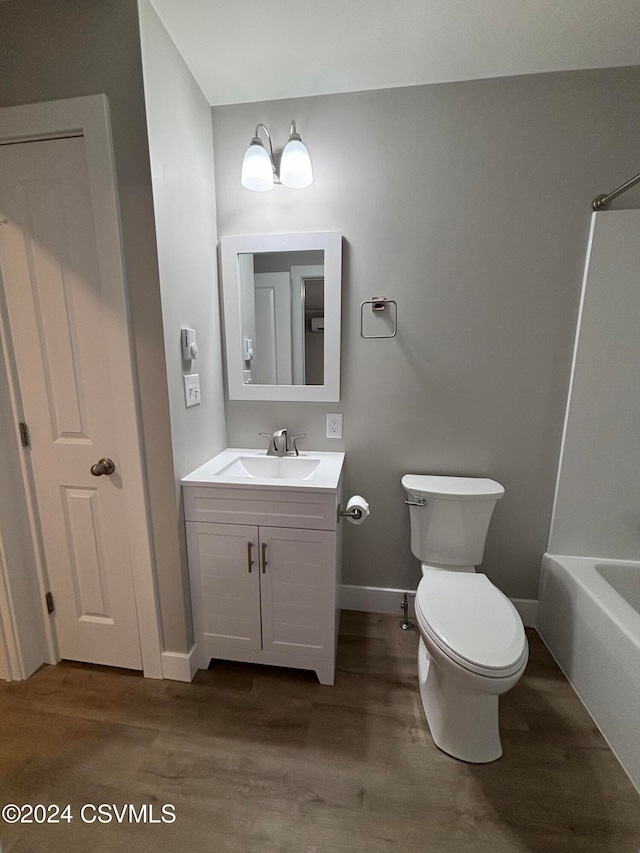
[{"x": 282, "y": 315}]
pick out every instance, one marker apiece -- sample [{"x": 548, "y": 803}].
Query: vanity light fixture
[{"x": 259, "y": 171}]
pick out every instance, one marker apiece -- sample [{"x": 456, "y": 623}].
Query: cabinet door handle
[
  {"x": 249, "y": 559},
  {"x": 264, "y": 557}
]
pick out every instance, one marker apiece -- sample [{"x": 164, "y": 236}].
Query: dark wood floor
[{"x": 260, "y": 759}]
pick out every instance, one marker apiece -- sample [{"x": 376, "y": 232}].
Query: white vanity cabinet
[{"x": 264, "y": 567}]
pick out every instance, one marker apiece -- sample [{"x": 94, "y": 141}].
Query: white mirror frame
[{"x": 230, "y": 247}]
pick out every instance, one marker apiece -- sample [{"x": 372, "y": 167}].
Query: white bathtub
[{"x": 589, "y": 617}]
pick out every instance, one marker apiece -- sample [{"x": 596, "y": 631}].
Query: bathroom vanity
[{"x": 264, "y": 545}]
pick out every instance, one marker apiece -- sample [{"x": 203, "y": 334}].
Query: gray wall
[
  {"x": 469, "y": 204},
  {"x": 181, "y": 152},
  {"x": 51, "y": 50},
  {"x": 597, "y": 509}
]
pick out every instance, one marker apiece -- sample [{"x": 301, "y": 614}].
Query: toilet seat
[{"x": 472, "y": 622}]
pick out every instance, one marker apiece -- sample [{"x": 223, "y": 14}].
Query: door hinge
[
  {"x": 24, "y": 435},
  {"x": 49, "y": 599}
]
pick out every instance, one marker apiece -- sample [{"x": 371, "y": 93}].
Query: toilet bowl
[
  {"x": 472, "y": 650},
  {"x": 473, "y": 647}
]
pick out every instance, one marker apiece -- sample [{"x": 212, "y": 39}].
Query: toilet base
[{"x": 463, "y": 722}]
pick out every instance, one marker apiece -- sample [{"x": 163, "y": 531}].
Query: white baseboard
[
  {"x": 377, "y": 599},
  {"x": 177, "y": 666}
]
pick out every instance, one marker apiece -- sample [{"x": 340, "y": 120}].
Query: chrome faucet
[
  {"x": 278, "y": 443},
  {"x": 281, "y": 443}
]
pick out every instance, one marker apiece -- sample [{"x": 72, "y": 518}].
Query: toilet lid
[{"x": 471, "y": 621}]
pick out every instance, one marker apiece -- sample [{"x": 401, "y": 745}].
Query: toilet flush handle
[{"x": 419, "y": 502}]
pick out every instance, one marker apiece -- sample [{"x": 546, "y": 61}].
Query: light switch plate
[{"x": 192, "y": 389}]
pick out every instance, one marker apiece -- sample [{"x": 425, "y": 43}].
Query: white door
[
  {"x": 60, "y": 333},
  {"x": 272, "y": 363}
]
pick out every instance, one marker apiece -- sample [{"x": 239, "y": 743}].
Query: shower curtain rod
[{"x": 602, "y": 201}]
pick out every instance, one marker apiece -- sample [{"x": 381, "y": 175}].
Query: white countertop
[{"x": 325, "y": 478}]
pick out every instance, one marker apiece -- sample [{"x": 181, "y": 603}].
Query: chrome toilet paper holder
[{"x": 354, "y": 513}]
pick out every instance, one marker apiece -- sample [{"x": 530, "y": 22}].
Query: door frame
[
  {"x": 299, "y": 275},
  {"x": 10, "y": 662},
  {"x": 89, "y": 117}
]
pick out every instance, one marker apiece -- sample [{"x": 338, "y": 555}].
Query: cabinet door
[
  {"x": 298, "y": 590},
  {"x": 225, "y": 588}
]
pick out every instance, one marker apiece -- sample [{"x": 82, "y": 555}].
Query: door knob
[{"x": 104, "y": 466}]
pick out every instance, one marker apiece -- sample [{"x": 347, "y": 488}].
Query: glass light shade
[
  {"x": 295, "y": 166},
  {"x": 257, "y": 172}
]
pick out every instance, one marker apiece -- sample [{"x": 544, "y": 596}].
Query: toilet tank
[{"x": 450, "y": 529}]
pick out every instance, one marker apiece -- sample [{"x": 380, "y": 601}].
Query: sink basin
[
  {"x": 272, "y": 467},
  {"x": 249, "y": 468}
]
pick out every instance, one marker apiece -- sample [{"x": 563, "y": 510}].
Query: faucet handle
[{"x": 293, "y": 448}]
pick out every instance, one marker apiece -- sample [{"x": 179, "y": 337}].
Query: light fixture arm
[
  {"x": 293, "y": 133},
  {"x": 257, "y": 141}
]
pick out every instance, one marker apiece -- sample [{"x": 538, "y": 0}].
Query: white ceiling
[{"x": 256, "y": 50}]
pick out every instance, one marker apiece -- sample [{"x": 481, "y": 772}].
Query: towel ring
[{"x": 379, "y": 305}]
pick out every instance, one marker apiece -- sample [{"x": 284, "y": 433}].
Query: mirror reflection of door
[
  {"x": 313, "y": 331},
  {"x": 272, "y": 358},
  {"x": 282, "y": 317},
  {"x": 307, "y": 302}
]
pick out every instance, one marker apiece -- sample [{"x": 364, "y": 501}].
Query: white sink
[
  {"x": 278, "y": 467},
  {"x": 253, "y": 468}
]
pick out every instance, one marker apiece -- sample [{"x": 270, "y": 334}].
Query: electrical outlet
[{"x": 334, "y": 426}]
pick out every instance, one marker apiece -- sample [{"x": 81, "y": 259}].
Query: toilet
[{"x": 472, "y": 646}]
